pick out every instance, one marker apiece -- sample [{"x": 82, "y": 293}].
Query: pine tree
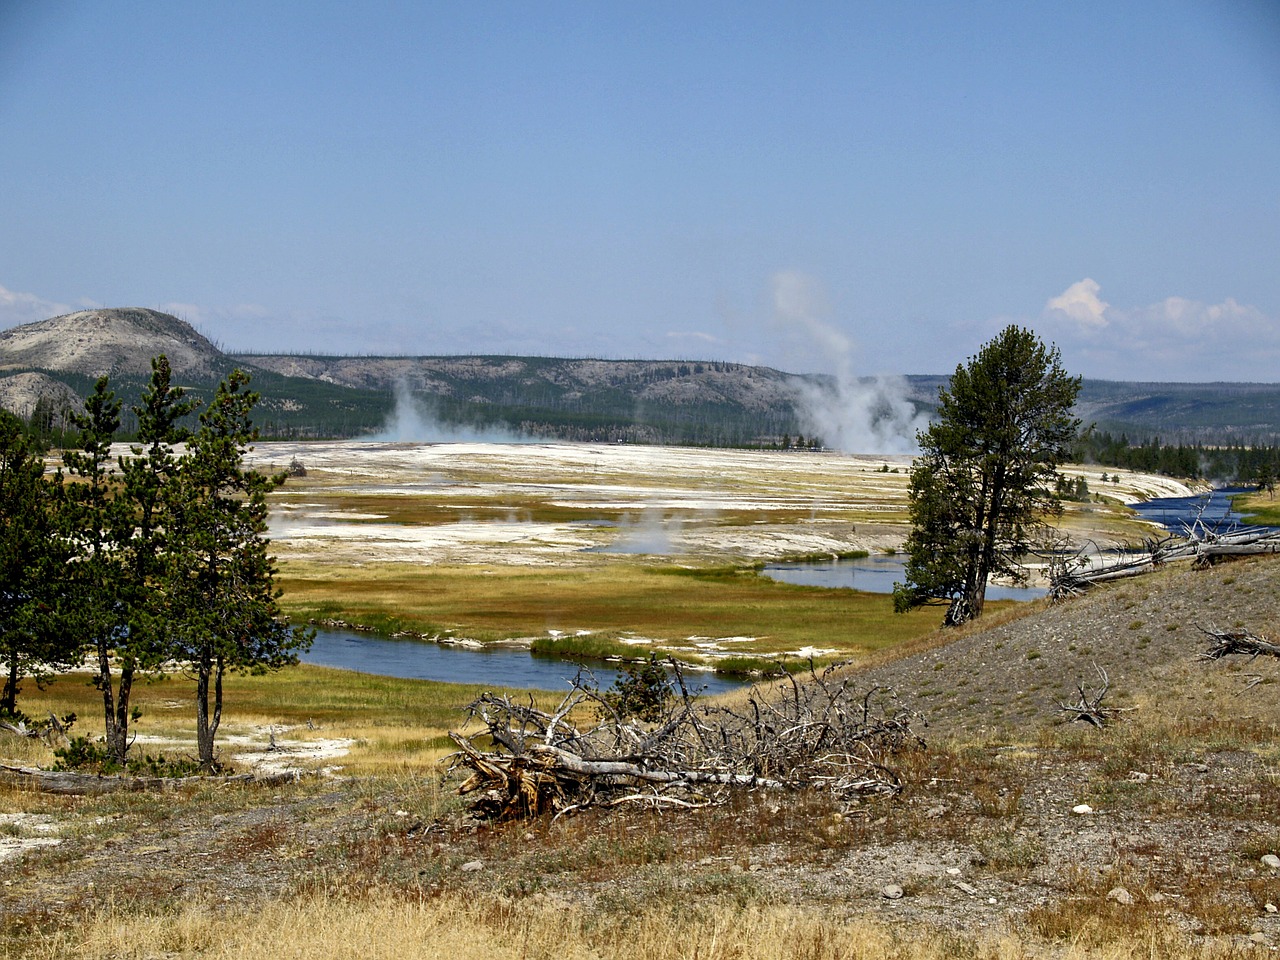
[
  {"x": 221, "y": 599},
  {"x": 32, "y": 558},
  {"x": 95, "y": 522},
  {"x": 985, "y": 476}
]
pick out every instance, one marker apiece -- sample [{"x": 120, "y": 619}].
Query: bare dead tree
[
  {"x": 810, "y": 734},
  {"x": 1089, "y": 709},
  {"x": 1072, "y": 574}
]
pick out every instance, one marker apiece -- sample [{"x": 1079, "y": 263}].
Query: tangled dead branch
[
  {"x": 1089, "y": 709},
  {"x": 810, "y": 734},
  {"x": 1229, "y": 642}
]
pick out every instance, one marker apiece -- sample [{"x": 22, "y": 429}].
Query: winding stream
[
  {"x": 516, "y": 668},
  {"x": 492, "y": 666}
]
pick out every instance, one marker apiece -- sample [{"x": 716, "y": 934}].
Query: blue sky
[{"x": 878, "y": 185}]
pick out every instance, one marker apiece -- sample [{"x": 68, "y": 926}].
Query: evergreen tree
[
  {"x": 221, "y": 599},
  {"x": 95, "y": 521},
  {"x": 119, "y": 524},
  {"x": 32, "y": 557},
  {"x": 986, "y": 471}
]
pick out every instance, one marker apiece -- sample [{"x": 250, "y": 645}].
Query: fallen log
[{"x": 70, "y": 783}]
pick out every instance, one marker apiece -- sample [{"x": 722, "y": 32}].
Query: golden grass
[
  {"x": 383, "y": 927},
  {"x": 666, "y": 604},
  {"x": 1258, "y": 508},
  {"x": 397, "y": 725}
]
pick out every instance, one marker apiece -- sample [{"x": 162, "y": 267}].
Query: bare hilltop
[{"x": 115, "y": 342}]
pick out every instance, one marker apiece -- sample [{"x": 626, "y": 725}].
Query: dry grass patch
[{"x": 384, "y": 926}]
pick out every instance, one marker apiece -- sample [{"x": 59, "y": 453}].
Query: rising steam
[
  {"x": 413, "y": 422},
  {"x": 850, "y": 413}
]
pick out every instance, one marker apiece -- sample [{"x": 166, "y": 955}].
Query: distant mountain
[
  {"x": 60, "y": 359},
  {"x": 653, "y": 401},
  {"x": 117, "y": 342},
  {"x": 1211, "y": 413},
  {"x": 646, "y": 401}
]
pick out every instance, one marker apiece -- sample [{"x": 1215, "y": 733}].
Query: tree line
[
  {"x": 1257, "y": 464},
  {"x": 141, "y": 563}
]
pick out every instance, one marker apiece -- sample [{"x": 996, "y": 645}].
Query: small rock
[
  {"x": 1082, "y": 808},
  {"x": 1258, "y": 937},
  {"x": 968, "y": 888},
  {"x": 1137, "y": 776},
  {"x": 991, "y": 900},
  {"x": 1120, "y": 895},
  {"x": 933, "y": 813},
  {"x": 471, "y": 866},
  {"x": 1156, "y": 898},
  {"x": 1271, "y": 907},
  {"x": 1272, "y": 861},
  {"x": 891, "y": 891},
  {"x": 953, "y": 871}
]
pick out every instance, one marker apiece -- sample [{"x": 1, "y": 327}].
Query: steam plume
[
  {"x": 850, "y": 413},
  {"x": 412, "y": 422}
]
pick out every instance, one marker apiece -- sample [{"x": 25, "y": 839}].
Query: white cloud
[
  {"x": 692, "y": 335},
  {"x": 1081, "y": 303},
  {"x": 17, "y": 308},
  {"x": 1173, "y": 339}
]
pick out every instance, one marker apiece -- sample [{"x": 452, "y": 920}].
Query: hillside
[
  {"x": 653, "y": 401},
  {"x": 118, "y": 342},
  {"x": 60, "y": 358}
]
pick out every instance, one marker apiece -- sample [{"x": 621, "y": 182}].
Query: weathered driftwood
[
  {"x": 1089, "y": 709},
  {"x": 800, "y": 735},
  {"x": 88, "y": 784},
  {"x": 1236, "y": 642},
  {"x": 50, "y": 731},
  {"x": 1070, "y": 575}
]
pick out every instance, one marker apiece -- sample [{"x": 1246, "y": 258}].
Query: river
[
  {"x": 871, "y": 575},
  {"x": 493, "y": 666},
  {"x": 1177, "y": 514},
  {"x": 516, "y": 668}
]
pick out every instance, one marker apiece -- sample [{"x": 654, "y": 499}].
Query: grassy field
[
  {"x": 1258, "y": 508},
  {"x": 667, "y": 604},
  {"x": 377, "y": 859},
  {"x": 393, "y": 725}
]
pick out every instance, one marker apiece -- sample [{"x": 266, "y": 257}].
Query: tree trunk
[
  {"x": 9, "y": 700},
  {"x": 115, "y": 711},
  {"x": 220, "y": 669},
  {"x": 204, "y": 735}
]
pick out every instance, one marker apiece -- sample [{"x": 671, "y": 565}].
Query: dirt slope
[{"x": 1143, "y": 634}]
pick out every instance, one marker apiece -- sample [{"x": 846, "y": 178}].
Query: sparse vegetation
[{"x": 1183, "y": 796}]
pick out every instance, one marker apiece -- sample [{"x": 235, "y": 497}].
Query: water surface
[
  {"x": 495, "y": 667},
  {"x": 871, "y": 575}
]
